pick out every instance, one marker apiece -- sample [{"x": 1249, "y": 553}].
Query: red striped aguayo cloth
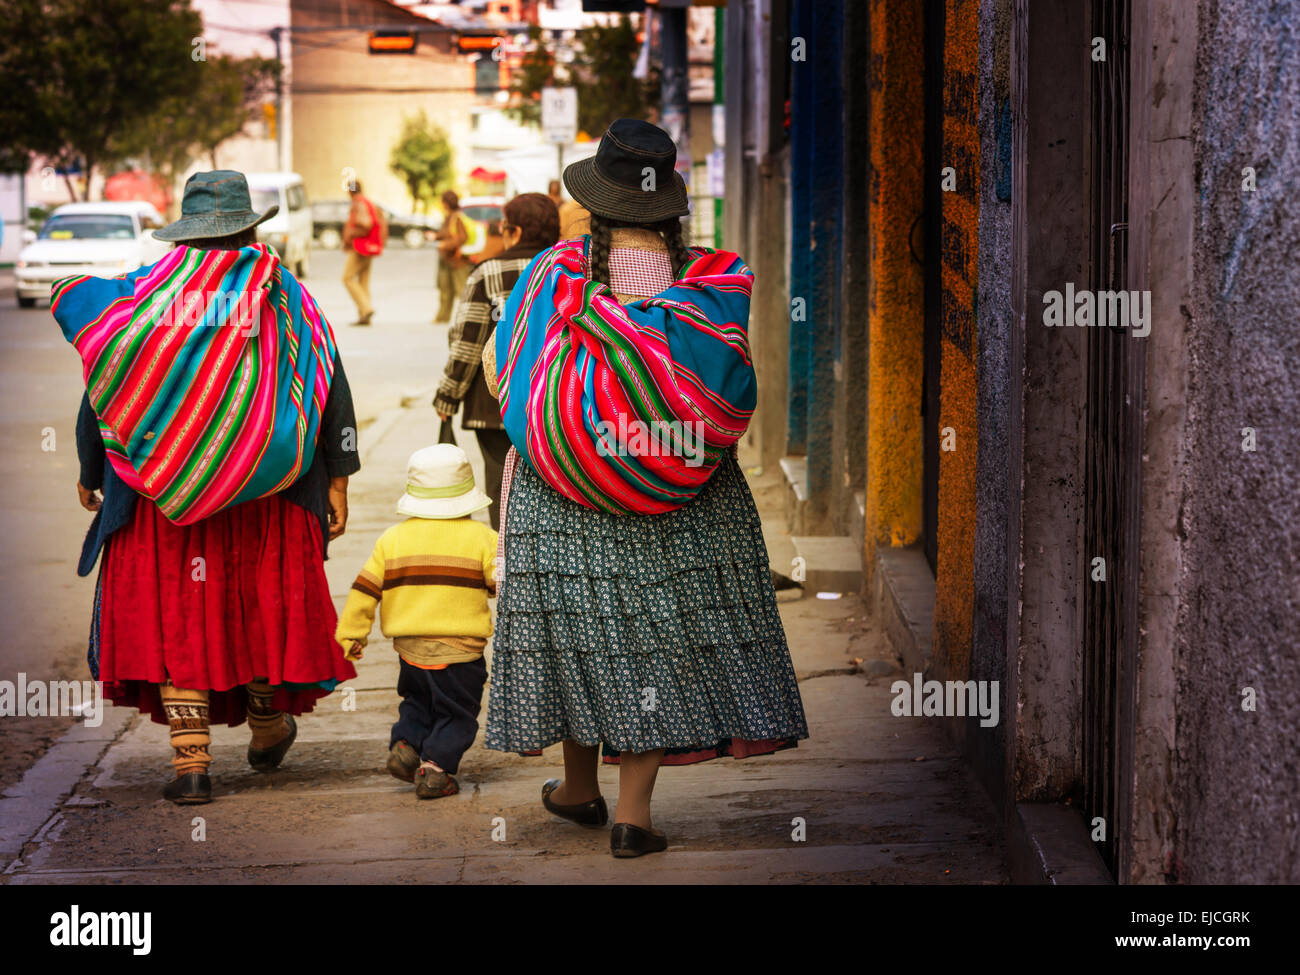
[
  {"x": 626, "y": 408},
  {"x": 208, "y": 370}
]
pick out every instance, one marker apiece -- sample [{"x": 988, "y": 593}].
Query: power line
[{"x": 378, "y": 90}]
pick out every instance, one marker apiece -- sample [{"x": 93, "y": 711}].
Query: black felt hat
[{"x": 631, "y": 176}]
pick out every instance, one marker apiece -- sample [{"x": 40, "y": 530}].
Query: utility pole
[
  {"x": 719, "y": 119},
  {"x": 279, "y": 99},
  {"x": 675, "y": 85}
]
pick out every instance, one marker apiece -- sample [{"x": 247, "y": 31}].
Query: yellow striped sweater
[{"x": 430, "y": 578}]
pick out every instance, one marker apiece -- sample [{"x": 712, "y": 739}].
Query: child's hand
[{"x": 353, "y": 651}]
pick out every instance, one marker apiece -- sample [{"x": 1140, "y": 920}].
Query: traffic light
[
  {"x": 393, "y": 41},
  {"x": 471, "y": 43}
]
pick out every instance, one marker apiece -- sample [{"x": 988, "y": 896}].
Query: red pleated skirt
[{"x": 214, "y": 605}]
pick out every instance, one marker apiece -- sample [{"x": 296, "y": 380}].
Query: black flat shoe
[
  {"x": 626, "y": 840},
  {"x": 266, "y": 759},
  {"x": 590, "y": 814},
  {"x": 191, "y": 789}
]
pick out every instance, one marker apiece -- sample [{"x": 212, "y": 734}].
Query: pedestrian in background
[
  {"x": 223, "y": 455},
  {"x": 430, "y": 576},
  {"x": 530, "y": 225},
  {"x": 575, "y": 221},
  {"x": 453, "y": 266},
  {"x": 364, "y": 237}
]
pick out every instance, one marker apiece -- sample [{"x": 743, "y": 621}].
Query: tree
[
  {"x": 536, "y": 71},
  {"x": 227, "y": 92},
  {"x": 26, "y": 73},
  {"x": 422, "y": 157},
  {"x": 601, "y": 71},
  {"x": 607, "y": 88},
  {"x": 233, "y": 96},
  {"x": 83, "y": 74}
]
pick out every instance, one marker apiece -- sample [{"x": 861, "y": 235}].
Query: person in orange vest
[
  {"x": 364, "y": 237},
  {"x": 453, "y": 266}
]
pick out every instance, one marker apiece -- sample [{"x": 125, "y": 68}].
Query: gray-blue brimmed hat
[{"x": 216, "y": 204}]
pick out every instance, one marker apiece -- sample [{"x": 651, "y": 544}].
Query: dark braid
[
  {"x": 677, "y": 249},
  {"x": 231, "y": 242},
  {"x": 599, "y": 254},
  {"x": 601, "y": 228}
]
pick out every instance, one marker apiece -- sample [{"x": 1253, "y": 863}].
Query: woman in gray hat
[
  {"x": 223, "y": 455},
  {"x": 654, "y": 635}
]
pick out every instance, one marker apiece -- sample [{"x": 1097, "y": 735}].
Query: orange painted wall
[
  {"x": 895, "y": 305},
  {"x": 955, "y": 586}
]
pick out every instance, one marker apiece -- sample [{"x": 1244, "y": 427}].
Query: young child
[{"x": 431, "y": 576}]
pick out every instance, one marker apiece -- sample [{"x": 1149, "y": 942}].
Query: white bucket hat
[{"x": 440, "y": 484}]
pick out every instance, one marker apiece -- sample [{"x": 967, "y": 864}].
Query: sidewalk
[{"x": 884, "y": 799}]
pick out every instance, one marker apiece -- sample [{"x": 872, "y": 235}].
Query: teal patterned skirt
[{"x": 640, "y": 632}]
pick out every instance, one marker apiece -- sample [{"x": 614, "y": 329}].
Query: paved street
[
  {"x": 884, "y": 799},
  {"x": 42, "y": 526}
]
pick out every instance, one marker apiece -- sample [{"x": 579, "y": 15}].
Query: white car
[
  {"x": 289, "y": 232},
  {"x": 101, "y": 239}
]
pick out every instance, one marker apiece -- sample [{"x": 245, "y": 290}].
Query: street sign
[{"x": 560, "y": 115}]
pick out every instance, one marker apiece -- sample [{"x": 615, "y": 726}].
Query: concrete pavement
[
  {"x": 397, "y": 359},
  {"x": 883, "y": 799}
]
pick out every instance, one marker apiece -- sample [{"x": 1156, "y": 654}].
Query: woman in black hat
[
  {"x": 587, "y": 594},
  {"x": 225, "y": 616}
]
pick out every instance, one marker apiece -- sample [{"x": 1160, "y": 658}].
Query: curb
[{"x": 26, "y": 808}]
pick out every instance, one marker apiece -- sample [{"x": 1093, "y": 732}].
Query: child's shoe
[
  {"x": 433, "y": 783},
  {"x": 403, "y": 761}
]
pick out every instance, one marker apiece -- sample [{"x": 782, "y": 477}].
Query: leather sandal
[
  {"x": 591, "y": 814},
  {"x": 626, "y": 840},
  {"x": 267, "y": 759},
  {"x": 190, "y": 789}
]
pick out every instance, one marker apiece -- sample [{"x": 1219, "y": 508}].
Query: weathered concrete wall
[
  {"x": 850, "y": 434},
  {"x": 816, "y": 213},
  {"x": 1162, "y": 208},
  {"x": 955, "y": 593},
  {"x": 993, "y": 334},
  {"x": 1239, "y": 627},
  {"x": 755, "y": 214},
  {"x": 1049, "y": 226},
  {"x": 895, "y": 304}
]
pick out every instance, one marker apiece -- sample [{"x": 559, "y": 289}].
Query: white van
[
  {"x": 289, "y": 231},
  {"x": 104, "y": 239}
]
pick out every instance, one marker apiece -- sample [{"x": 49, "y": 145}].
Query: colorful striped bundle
[
  {"x": 626, "y": 408},
  {"x": 208, "y": 371}
]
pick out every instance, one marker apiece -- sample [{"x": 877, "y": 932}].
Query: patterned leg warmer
[
  {"x": 266, "y": 723},
  {"x": 187, "y": 717}
]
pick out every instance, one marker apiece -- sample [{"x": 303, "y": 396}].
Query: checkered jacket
[{"x": 489, "y": 285}]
